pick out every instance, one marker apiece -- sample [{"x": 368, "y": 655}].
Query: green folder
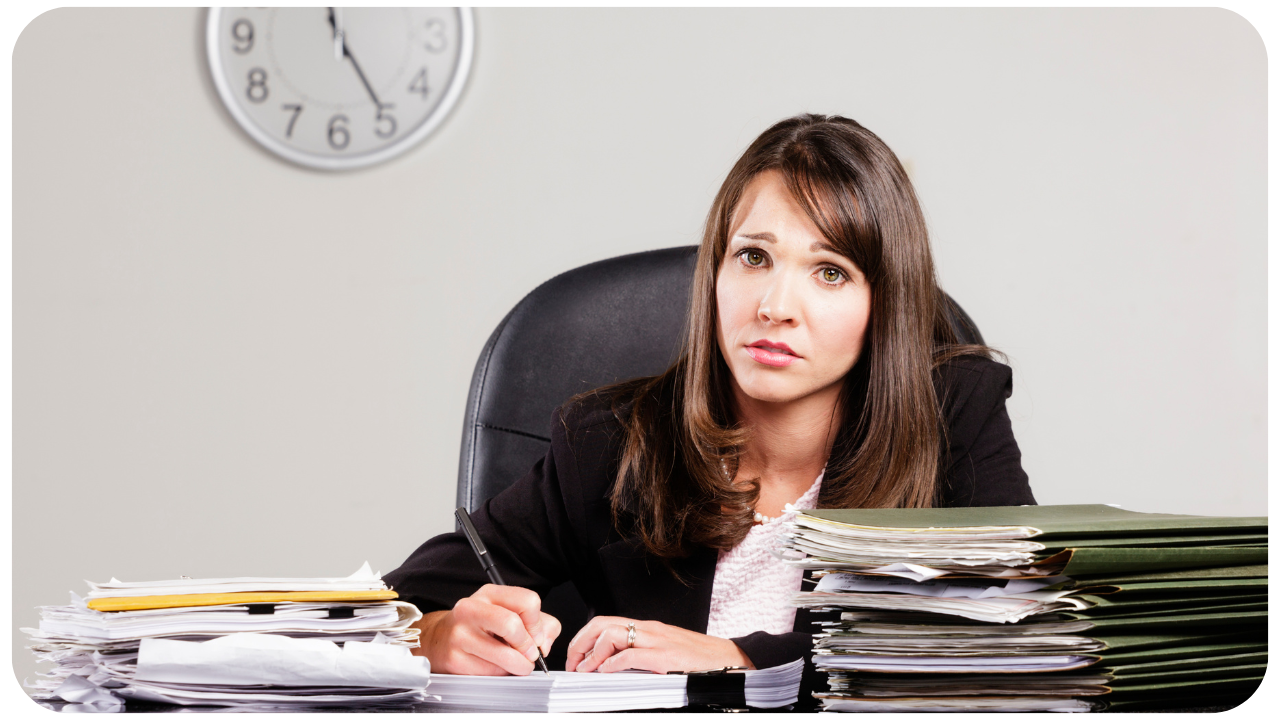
[
  {"x": 1096, "y": 560},
  {"x": 1195, "y": 674},
  {"x": 1050, "y": 520},
  {"x": 1184, "y": 610},
  {"x": 1123, "y": 651},
  {"x": 1082, "y": 541},
  {"x": 1180, "y": 664},
  {"x": 1209, "y": 573},
  {"x": 1179, "y": 587},
  {"x": 1191, "y": 686},
  {"x": 1160, "y": 622},
  {"x": 1103, "y": 605},
  {"x": 1131, "y": 646}
]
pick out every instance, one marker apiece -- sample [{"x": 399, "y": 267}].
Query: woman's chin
[{"x": 773, "y": 392}]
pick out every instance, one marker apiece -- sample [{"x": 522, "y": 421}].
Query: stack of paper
[
  {"x": 316, "y": 641},
  {"x": 976, "y": 608},
  {"x": 603, "y": 692}
]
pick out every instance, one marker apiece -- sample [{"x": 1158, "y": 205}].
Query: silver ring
[{"x": 631, "y": 634}]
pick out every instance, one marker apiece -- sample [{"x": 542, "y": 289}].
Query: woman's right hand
[{"x": 496, "y": 631}]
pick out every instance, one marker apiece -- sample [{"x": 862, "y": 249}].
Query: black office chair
[{"x": 591, "y": 326}]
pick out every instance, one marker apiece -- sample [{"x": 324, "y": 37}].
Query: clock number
[
  {"x": 435, "y": 35},
  {"x": 242, "y": 33},
  {"x": 384, "y": 117},
  {"x": 257, "y": 90},
  {"x": 339, "y": 136},
  {"x": 419, "y": 84},
  {"x": 297, "y": 110}
]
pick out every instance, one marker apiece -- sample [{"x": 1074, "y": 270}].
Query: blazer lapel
[{"x": 643, "y": 588}]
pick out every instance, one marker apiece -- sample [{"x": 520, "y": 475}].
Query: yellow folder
[{"x": 154, "y": 602}]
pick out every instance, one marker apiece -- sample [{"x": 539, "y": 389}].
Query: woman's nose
[{"x": 777, "y": 305}]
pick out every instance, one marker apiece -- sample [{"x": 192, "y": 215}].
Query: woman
[{"x": 819, "y": 370}]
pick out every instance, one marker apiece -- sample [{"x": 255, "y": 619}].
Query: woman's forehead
[
  {"x": 768, "y": 207},
  {"x": 767, "y": 195}
]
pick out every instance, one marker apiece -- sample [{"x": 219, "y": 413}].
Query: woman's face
[{"x": 791, "y": 312}]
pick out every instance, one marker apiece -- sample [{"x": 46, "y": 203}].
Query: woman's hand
[
  {"x": 602, "y": 646},
  {"x": 496, "y": 631}
]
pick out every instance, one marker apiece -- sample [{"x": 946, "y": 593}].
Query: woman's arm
[
  {"x": 528, "y": 531},
  {"x": 982, "y": 465}
]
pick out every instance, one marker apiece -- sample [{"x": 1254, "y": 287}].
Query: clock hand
[
  {"x": 360, "y": 73},
  {"x": 339, "y": 43},
  {"x": 339, "y": 35}
]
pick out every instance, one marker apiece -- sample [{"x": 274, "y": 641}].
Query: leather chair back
[{"x": 594, "y": 325}]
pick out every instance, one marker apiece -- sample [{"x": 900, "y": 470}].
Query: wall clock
[{"x": 339, "y": 88}]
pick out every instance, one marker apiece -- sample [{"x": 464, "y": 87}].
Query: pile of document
[
  {"x": 607, "y": 692},
  {"x": 1067, "y": 608},
  {"x": 251, "y": 643}
]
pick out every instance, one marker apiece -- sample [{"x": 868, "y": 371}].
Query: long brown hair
[{"x": 680, "y": 432}]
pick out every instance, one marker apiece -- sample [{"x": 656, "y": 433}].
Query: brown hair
[{"x": 679, "y": 427}]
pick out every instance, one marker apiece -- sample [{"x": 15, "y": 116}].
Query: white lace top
[{"x": 752, "y": 588}]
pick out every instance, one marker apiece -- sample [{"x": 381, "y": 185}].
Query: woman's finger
[
  {"x": 464, "y": 662},
  {"x": 527, "y": 606},
  {"x": 525, "y": 603},
  {"x": 549, "y": 630},
  {"x": 592, "y": 628},
  {"x": 581, "y": 644},
  {"x": 636, "y": 659},
  {"x": 483, "y": 646},
  {"x": 610, "y": 640},
  {"x": 480, "y": 620}
]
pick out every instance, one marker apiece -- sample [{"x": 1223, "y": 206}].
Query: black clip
[{"x": 722, "y": 687}]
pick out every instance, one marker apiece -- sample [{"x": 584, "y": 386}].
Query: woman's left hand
[{"x": 602, "y": 646}]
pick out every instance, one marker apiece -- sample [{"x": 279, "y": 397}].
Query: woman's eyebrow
[
  {"x": 765, "y": 236},
  {"x": 820, "y": 245}
]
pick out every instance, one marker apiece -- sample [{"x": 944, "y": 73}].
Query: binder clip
[{"x": 721, "y": 689}]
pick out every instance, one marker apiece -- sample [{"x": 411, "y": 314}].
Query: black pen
[{"x": 486, "y": 562}]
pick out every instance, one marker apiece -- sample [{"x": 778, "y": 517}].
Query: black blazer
[{"x": 554, "y": 525}]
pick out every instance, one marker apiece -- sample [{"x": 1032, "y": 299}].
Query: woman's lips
[{"x": 778, "y": 355}]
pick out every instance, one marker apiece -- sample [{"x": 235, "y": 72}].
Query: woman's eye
[
  {"x": 832, "y": 275},
  {"x": 754, "y": 258}
]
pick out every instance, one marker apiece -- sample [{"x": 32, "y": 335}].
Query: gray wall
[{"x": 225, "y": 365}]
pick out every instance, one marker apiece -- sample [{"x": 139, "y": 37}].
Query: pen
[{"x": 486, "y": 562}]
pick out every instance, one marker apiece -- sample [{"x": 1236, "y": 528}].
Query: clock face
[{"x": 339, "y": 88}]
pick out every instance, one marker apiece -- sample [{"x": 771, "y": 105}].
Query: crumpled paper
[
  {"x": 263, "y": 659},
  {"x": 76, "y": 689}
]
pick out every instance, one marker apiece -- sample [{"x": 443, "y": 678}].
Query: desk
[{"x": 429, "y": 708}]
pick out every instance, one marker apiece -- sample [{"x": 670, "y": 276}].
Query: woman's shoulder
[
  {"x": 601, "y": 410},
  {"x": 970, "y": 389},
  {"x": 958, "y": 378},
  {"x": 591, "y": 428},
  {"x": 588, "y": 435}
]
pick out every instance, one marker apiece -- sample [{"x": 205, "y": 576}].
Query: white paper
[
  {"x": 881, "y": 663},
  {"x": 602, "y": 692},
  {"x": 966, "y": 588},
  {"x": 258, "y": 659},
  {"x": 362, "y": 579},
  {"x": 93, "y": 626},
  {"x": 76, "y": 689},
  {"x": 943, "y": 534},
  {"x": 1003, "y": 609},
  {"x": 955, "y": 704},
  {"x": 267, "y": 701},
  {"x": 909, "y": 571}
]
